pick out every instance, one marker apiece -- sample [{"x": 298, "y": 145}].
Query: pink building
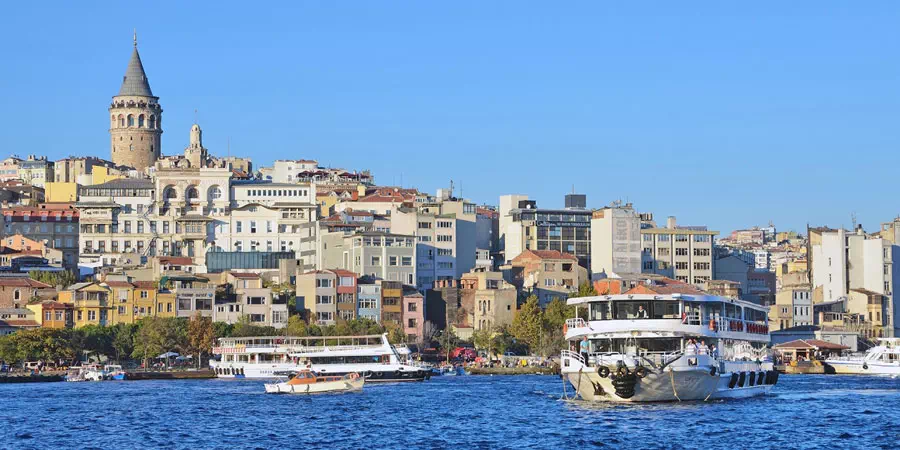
[{"x": 413, "y": 316}]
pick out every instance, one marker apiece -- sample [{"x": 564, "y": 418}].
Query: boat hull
[
  {"x": 374, "y": 373},
  {"x": 860, "y": 367},
  {"x": 682, "y": 384},
  {"x": 344, "y": 385}
]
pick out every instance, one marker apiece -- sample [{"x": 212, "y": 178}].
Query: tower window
[
  {"x": 141, "y": 121},
  {"x": 130, "y": 120},
  {"x": 152, "y": 121}
]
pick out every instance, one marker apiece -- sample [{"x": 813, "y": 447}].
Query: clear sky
[{"x": 724, "y": 115}]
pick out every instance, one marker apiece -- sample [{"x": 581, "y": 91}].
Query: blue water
[{"x": 446, "y": 412}]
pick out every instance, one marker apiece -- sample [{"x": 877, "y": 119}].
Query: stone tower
[
  {"x": 195, "y": 153},
  {"x": 135, "y": 118}
]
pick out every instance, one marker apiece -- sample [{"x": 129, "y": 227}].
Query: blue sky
[{"x": 723, "y": 115}]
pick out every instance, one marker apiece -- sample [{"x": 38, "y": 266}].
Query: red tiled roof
[
  {"x": 56, "y": 305},
  {"x": 119, "y": 284},
  {"x": 245, "y": 275},
  {"x": 176, "y": 260},
  {"x": 145, "y": 284},
  {"x": 19, "y": 323},
  {"x": 344, "y": 273},
  {"x": 53, "y": 211},
  {"x": 22, "y": 282}
]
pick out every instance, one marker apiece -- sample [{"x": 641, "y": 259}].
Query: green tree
[
  {"x": 585, "y": 289},
  {"x": 528, "y": 324},
  {"x": 64, "y": 278},
  {"x": 157, "y": 335},
  {"x": 483, "y": 339},
  {"x": 296, "y": 326},
  {"x": 556, "y": 313},
  {"x": 448, "y": 340},
  {"x": 123, "y": 340}
]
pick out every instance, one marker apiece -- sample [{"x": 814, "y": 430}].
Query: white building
[{"x": 615, "y": 240}]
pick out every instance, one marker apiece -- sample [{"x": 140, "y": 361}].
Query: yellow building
[
  {"x": 59, "y": 192},
  {"x": 91, "y": 303},
  {"x": 101, "y": 174}
]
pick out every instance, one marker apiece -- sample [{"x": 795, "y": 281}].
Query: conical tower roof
[{"x": 135, "y": 81}]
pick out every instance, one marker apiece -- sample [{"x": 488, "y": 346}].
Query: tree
[
  {"x": 585, "y": 289},
  {"x": 528, "y": 324},
  {"x": 63, "y": 278},
  {"x": 396, "y": 335},
  {"x": 296, "y": 326},
  {"x": 448, "y": 341},
  {"x": 556, "y": 313},
  {"x": 157, "y": 335},
  {"x": 123, "y": 340},
  {"x": 201, "y": 336},
  {"x": 483, "y": 339}
]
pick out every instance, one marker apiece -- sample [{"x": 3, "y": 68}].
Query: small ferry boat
[
  {"x": 673, "y": 347},
  {"x": 371, "y": 356},
  {"x": 308, "y": 382},
  {"x": 882, "y": 359}
]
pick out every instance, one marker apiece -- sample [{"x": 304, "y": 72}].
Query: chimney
[{"x": 670, "y": 222}]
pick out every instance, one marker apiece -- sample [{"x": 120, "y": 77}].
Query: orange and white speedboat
[{"x": 308, "y": 382}]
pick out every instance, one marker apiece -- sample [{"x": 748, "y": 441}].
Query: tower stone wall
[{"x": 135, "y": 119}]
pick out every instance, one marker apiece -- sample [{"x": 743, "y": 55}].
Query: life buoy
[
  {"x": 378, "y": 374},
  {"x": 565, "y": 328},
  {"x": 712, "y": 325},
  {"x": 733, "y": 381},
  {"x": 603, "y": 371},
  {"x": 640, "y": 372}
]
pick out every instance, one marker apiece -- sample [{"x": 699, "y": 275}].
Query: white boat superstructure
[
  {"x": 651, "y": 348},
  {"x": 882, "y": 359},
  {"x": 371, "y": 356}
]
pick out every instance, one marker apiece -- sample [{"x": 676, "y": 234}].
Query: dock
[
  {"x": 170, "y": 375},
  {"x": 801, "y": 368},
  {"x": 43, "y": 378},
  {"x": 513, "y": 370}
]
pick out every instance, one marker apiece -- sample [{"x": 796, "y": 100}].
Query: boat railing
[
  {"x": 288, "y": 348},
  {"x": 566, "y": 355},
  {"x": 577, "y": 322}
]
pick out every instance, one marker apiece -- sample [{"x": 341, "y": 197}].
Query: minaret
[{"x": 135, "y": 118}]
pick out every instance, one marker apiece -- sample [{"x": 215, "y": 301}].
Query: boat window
[
  {"x": 713, "y": 310},
  {"x": 629, "y": 310},
  {"x": 692, "y": 313},
  {"x": 732, "y": 311},
  {"x": 665, "y": 310},
  {"x": 600, "y": 311}
]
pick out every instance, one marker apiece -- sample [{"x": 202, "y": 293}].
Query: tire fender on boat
[
  {"x": 752, "y": 378},
  {"x": 640, "y": 372},
  {"x": 603, "y": 371},
  {"x": 865, "y": 366},
  {"x": 733, "y": 381},
  {"x": 741, "y": 379}
]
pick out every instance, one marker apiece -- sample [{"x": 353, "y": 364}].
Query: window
[
  {"x": 681, "y": 252},
  {"x": 256, "y": 300},
  {"x": 549, "y": 282},
  {"x": 648, "y": 265},
  {"x": 252, "y": 226},
  {"x": 411, "y": 307},
  {"x": 392, "y": 261},
  {"x": 680, "y": 265},
  {"x": 701, "y": 252},
  {"x": 444, "y": 224},
  {"x": 238, "y": 226},
  {"x": 444, "y": 238},
  {"x": 92, "y": 315},
  {"x": 681, "y": 238},
  {"x": 406, "y": 261},
  {"x": 424, "y": 225},
  {"x": 376, "y": 260},
  {"x": 444, "y": 252},
  {"x": 663, "y": 238},
  {"x": 324, "y": 283},
  {"x": 324, "y": 299},
  {"x": 701, "y": 266},
  {"x": 663, "y": 251},
  {"x": 411, "y": 323},
  {"x": 701, "y": 238}
]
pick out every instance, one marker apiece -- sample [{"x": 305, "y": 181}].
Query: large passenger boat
[
  {"x": 267, "y": 357},
  {"x": 882, "y": 359},
  {"x": 673, "y": 347}
]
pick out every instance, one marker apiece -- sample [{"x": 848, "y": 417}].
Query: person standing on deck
[{"x": 585, "y": 347}]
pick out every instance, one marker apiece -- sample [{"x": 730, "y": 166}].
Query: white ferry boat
[
  {"x": 673, "y": 347},
  {"x": 883, "y": 359},
  {"x": 371, "y": 356}
]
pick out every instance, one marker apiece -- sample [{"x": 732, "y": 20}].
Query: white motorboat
[
  {"x": 653, "y": 348},
  {"x": 370, "y": 356},
  {"x": 308, "y": 382},
  {"x": 85, "y": 373},
  {"x": 882, "y": 359}
]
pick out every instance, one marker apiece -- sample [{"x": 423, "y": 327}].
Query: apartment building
[
  {"x": 247, "y": 298},
  {"x": 413, "y": 315},
  {"x": 52, "y": 314},
  {"x": 317, "y": 292},
  {"x": 17, "y": 193},
  {"x": 113, "y": 220},
  {"x": 9, "y": 168},
  {"x": 793, "y": 303},
  {"x": 91, "y": 303},
  {"x": 841, "y": 261},
  {"x": 523, "y": 226},
  {"x": 684, "y": 253},
  {"x": 391, "y": 302},
  {"x": 36, "y": 171},
  {"x": 615, "y": 240},
  {"x": 548, "y": 274},
  {"x": 368, "y": 298},
  {"x": 54, "y": 225},
  {"x": 381, "y": 255}
]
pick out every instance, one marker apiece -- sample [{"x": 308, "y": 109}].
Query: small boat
[
  {"x": 308, "y": 382},
  {"x": 883, "y": 359},
  {"x": 85, "y": 373},
  {"x": 113, "y": 372}
]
